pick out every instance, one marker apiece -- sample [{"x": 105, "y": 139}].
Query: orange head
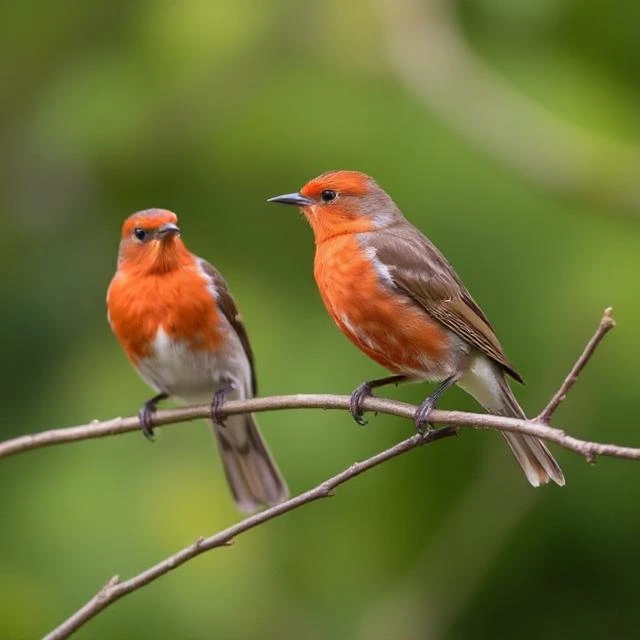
[
  {"x": 151, "y": 243},
  {"x": 339, "y": 202}
]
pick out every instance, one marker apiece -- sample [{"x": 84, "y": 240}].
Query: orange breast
[
  {"x": 389, "y": 327},
  {"x": 177, "y": 301}
]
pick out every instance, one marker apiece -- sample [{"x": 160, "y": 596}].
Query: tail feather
[
  {"x": 485, "y": 381},
  {"x": 252, "y": 474},
  {"x": 531, "y": 453},
  {"x": 535, "y": 459}
]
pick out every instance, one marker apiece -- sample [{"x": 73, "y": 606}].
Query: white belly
[{"x": 194, "y": 375}]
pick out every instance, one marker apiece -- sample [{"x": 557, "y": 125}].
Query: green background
[{"x": 208, "y": 108}]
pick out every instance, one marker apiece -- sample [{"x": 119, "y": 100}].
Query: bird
[
  {"x": 180, "y": 328},
  {"x": 396, "y": 297}
]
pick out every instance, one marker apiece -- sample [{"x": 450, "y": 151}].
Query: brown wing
[
  {"x": 420, "y": 271},
  {"x": 227, "y": 305}
]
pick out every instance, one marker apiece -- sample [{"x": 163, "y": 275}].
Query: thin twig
[
  {"x": 115, "y": 589},
  {"x": 606, "y": 324}
]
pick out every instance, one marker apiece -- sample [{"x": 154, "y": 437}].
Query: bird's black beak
[
  {"x": 168, "y": 229},
  {"x": 296, "y": 199}
]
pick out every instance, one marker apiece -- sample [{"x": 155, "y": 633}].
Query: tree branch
[
  {"x": 114, "y": 589},
  {"x": 606, "y": 324},
  {"x": 119, "y": 426}
]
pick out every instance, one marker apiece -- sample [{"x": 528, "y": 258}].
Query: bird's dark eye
[
  {"x": 328, "y": 195},
  {"x": 141, "y": 234}
]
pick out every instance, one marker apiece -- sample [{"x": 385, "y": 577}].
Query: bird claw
[
  {"x": 217, "y": 403},
  {"x": 145, "y": 417},
  {"x": 421, "y": 417},
  {"x": 359, "y": 394}
]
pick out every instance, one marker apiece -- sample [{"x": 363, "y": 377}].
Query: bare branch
[
  {"x": 606, "y": 324},
  {"x": 119, "y": 426},
  {"x": 114, "y": 589}
]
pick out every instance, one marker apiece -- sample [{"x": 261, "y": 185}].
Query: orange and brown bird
[
  {"x": 178, "y": 324},
  {"x": 395, "y": 296}
]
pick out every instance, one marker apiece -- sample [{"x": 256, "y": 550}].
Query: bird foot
[
  {"x": 421, "y": 417},
  {"x": 145, "y": 415},
  {"x": 355, "y": 408},
  {"x": 218, "y": 402}
]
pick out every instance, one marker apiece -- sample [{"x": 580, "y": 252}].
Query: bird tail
[
  {"x": 531, "y": 453},
  {"x": 252, "y": 474},
  {"x": 491, "y": 389}
]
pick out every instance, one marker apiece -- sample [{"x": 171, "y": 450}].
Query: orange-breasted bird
[
  {"x": 395, "y": 296},
  {"x": 178, "y": 324}
]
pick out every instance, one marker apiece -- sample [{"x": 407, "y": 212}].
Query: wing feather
[
  {"x": 422, "y": 273},
  {"x": 228, "y": 306}
]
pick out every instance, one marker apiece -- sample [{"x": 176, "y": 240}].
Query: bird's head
[
  {"x": 151, "y": 241},
  {"x": 339, "y": 202}
]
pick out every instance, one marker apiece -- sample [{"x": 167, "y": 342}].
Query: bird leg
[
  {"x": 145, "y": 414},
  {"x": 421, "y": 416},
  {"x": 364, "y": 391},
  {"x": 218, "y": 402}
]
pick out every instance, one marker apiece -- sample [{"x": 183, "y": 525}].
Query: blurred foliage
[{"x": 208, "y": 109}]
